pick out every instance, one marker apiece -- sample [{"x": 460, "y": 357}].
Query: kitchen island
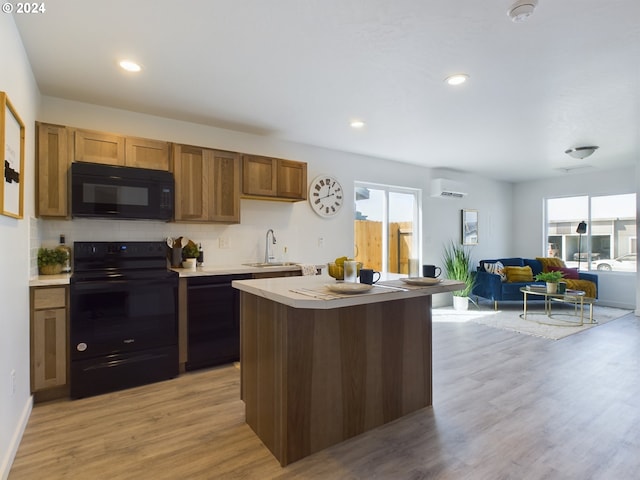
[{"x": 318, "y": 367}]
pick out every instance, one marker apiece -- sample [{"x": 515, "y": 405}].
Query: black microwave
[{"x": 108, "y": 191}]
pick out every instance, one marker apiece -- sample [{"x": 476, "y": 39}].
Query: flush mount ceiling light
[
  {"x": 457, "y": 79},
  {"x": 581, "y": 152},
  {"x": 357, "y": 124},
  {"x": 130, "y": 66},
  {"x": 521, "y": 10}
]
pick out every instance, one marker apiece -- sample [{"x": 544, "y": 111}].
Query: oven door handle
[{"x": 107, "y": 284}]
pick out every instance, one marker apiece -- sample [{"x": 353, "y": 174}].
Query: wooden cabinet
[
  {"x": 207, "y": 185},
  {"x": 292, "y": 179},
  {"x": 273, "y": 178},
  {"x": 98, "y": 147},
  {"x": 49, "y": 339},
  {"x": 52, "y": 154},
  {"x": 145, "y": 153}
]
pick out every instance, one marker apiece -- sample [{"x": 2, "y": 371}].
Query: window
[
  {"x": 386, "y": 227},
  {"x": 609, "y": 242}
]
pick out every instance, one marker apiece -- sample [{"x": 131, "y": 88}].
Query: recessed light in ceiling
[
  {"x": 130, "y": 66},
  {"x": 457, "y": 79},
  {"x": 357, "y": 124}
]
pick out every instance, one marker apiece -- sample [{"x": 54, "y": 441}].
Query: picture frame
[
  {"x": 469, "y": 227},
  {"x": 12, "y": 135}
]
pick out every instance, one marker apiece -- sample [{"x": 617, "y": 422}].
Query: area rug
[{"x": 508, "y": 318}]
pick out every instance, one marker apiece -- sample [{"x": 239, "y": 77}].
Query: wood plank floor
[{"x": 506, "y": 406}]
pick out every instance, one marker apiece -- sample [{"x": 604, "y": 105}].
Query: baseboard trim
[{"x": 5, "y": 467}]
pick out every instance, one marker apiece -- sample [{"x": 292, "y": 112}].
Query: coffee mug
[
  {"x": 430, "y": 271},
  {"x": 562, "y": 287},
  {"x": 367, "y": 274}
]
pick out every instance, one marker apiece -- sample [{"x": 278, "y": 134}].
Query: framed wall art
[
  {"x": 12, "y": 144},
  {"x": 469, "y": 227}
]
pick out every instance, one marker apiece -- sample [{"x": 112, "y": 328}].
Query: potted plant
[
  {"x": 50, "y": 260},
  {"x": 551, "y": 278},
  {"x": 189, "y": 254},
  {"x": 457, "y": 265}
]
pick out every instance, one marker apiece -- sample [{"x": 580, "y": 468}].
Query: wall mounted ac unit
[{"x": 443, "y": 187}]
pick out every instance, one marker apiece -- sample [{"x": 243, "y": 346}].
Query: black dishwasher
[{"x": 213, "y": 312}]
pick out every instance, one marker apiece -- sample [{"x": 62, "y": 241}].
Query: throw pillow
[
  {"x": 571, "y": 273},
  {"x": 519, "y": 274},
  {"x": 550, "y": 261},
  {"x": 585, "y": 285},
  {"x": 496, "y": 268}
]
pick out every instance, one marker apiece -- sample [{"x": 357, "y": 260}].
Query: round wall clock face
[{"x": 325, "y": 195}]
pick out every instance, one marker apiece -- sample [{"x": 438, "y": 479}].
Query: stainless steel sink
[{"x": 271, "y": 264}]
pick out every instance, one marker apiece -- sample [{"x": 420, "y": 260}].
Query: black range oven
[{"x": 123, "y": 316}]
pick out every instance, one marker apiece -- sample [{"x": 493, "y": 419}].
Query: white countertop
[
  {"x": 63, "y": 278},
  {"x": 282, "y": 290},
  {"x": 234, "y": 269},
  {"x": 50, "y": 280}
]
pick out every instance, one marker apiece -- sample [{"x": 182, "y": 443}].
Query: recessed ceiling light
[
  {"x": 457, "y": 79},
  {"x": 357, "y": 124},
  {"x": 130, "y": 66}
]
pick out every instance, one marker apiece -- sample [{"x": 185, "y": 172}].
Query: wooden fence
[{"x": 368, "y": 238}]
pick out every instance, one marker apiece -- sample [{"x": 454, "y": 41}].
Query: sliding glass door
[{"x": 387, "y": 227}]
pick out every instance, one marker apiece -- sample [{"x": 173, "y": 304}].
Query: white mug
[{"x": 350, "y": 271}]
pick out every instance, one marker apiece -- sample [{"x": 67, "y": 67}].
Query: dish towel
[{"x": 308, "y": 269}]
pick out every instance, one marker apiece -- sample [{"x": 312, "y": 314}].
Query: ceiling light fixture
[
  {"x": 130, "y": 66},
  {"x": 457, "y": 79},
  {"x": 521, "y": 10},
  {"x": 357, "y": 124},
  {"x": 581, "y": 152}
]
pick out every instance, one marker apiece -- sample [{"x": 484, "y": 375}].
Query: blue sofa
[{"x": 490, "y": 286}]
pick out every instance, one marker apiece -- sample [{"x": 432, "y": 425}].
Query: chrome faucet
[{"x": 268, "y": 254}]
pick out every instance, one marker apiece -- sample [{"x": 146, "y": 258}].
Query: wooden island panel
[{"x": 312, "y": 378}]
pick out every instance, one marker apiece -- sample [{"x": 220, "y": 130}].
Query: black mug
[
  {"x": 367, "y": 274},
  {"x": 430, "y": 271}
]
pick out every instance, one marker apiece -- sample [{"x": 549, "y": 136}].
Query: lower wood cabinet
[{"x": 49, "y": 354}]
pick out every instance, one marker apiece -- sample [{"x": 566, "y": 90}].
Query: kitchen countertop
[
  {"x": 286, "y": 290},
  {"x": 64, "y": 278}
]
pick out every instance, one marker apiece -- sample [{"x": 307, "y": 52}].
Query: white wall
[
  {"x": 16, "y": 79},
  {"x": 614, "y": 288}
]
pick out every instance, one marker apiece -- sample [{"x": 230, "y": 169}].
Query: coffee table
[{"x": 576, "y": 297}]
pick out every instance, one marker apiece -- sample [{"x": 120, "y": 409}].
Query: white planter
[
  {"x": 460, "y": 303},
  {"x": 189, "y": 263},
  {"x": 552, "y": 287}
]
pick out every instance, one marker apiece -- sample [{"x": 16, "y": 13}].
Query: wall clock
[{"x": 325, "y": 195}]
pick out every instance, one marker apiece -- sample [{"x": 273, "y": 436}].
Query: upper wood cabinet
[
  {"x": 145, "y": 153},
  {"x": 98, "y": 147},
  {"x": 207, "y": 185},
  {"x": 52, "y": 154},
  {"x": 273, "y": 178}
]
